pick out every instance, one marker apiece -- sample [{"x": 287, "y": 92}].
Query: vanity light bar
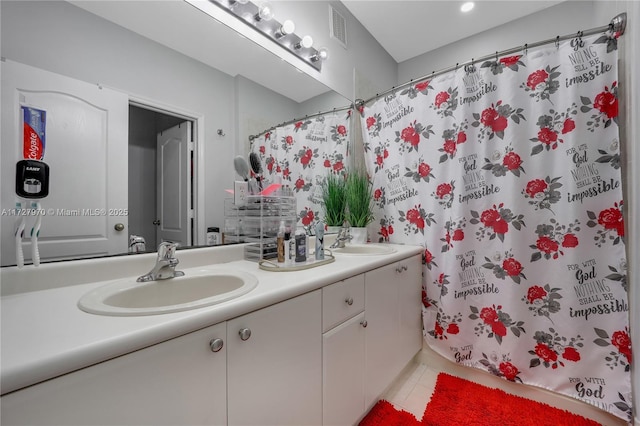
[{"x": 246, "y": 11}]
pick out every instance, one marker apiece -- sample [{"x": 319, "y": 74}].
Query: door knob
[
  {"x": 244, "y": 333},
  {"x": 119, "y": 227},
  {"x": 216, "y": 345}
]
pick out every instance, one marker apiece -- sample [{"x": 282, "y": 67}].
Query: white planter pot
[
  {"x": 333, "y": 229},
  {"x": 359, "y": 235}
]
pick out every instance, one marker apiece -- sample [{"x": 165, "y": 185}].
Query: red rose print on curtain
[
  {"x": 374, "y": 125},
  {"x": 305, "y": 157},
  {"x": 609, "y": 224},
  {"x": 444, "y": 194},
  {"x": 620, "y": 357},
  {"x": 287, "y": 142},
  {"x": 420, "y": 172},
  {"x": 542, "y": 193},
  {"x": 339, "y": 134},
  {"x": 500, "y": 164},
  {"x": 543, "y": 301},
  {"x": 552, "y": 350},
  {"x": 452, "y": 138},
  {"x": 606, "y": 105},
  {"x": 446, "y": 102},
  {"x": 419, "y": 88},
  {"x": 386, "y": 229},
  {"x": 381, "y": 153},
  {"x": 553, "y": 238},
  {"x": 409, "y": 137},
  {"x": 553, "y": 127},
  {"x": 493, "y": 121},
  {"x": 454, "y": 233},
  {"x": 301, "y": 125},
  {"x": 510, "y": 62},
  {"x": 416, "y": 219},
  {"x": 495, "y": 222},
  {"x": 542, "y": 83},
  {"x": 446, "y": 325},
  {"x": 505, "y": 266},
  {"x": 495, "y": 322},
  {"x": 501, "y": 366}
]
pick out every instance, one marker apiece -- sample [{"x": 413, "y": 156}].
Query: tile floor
[{"x": 413, "y": 388}]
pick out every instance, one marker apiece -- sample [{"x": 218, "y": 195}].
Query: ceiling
[{"x": 406, "y": 29}]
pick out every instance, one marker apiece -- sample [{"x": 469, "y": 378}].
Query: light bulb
[
  {"x": 265, "y": 12},
  {"x": 287, "y": 27},
  {"x": 306, "y": 42},
  {"x": 466, "y": 7},
  {"x": 322, "y": 55}
]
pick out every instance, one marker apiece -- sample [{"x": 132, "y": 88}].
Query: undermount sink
[
  {"x": 365, "y": 249},
  {"x": 127, "y": 297}
]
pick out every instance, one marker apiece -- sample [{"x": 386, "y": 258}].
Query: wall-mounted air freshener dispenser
[{"x": 32, "y": 179}]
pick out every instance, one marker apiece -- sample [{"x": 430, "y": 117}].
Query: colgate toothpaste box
[{"x": 34, "y": 121}]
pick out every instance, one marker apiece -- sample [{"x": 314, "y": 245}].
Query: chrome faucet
[
  {"x": 342, "y": 238},
  {"x": 165, "y": 264}
]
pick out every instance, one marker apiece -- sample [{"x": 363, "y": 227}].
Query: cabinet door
[
  {"x": 382, "y": 310},
  {"x": 343, "y": 372},
  {"x": 275, "y": 375},
  {"x": 410, "y": 306},
  {"x": 178, "y": 382}
]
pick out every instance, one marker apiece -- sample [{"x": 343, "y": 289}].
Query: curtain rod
[
  {"x": 344, "y": 108},
  {"x": 617, "y": 25}
]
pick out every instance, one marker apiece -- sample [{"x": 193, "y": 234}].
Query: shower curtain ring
[
  {"x": 525, "y": 48},
  {"x": 496, "y": 56},
  {"x": 557, "y": 41}
]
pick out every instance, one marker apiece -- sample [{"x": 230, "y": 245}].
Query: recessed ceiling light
[{"x": 466, "y": 7}]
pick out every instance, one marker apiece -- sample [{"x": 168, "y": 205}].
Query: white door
[
  {"x": 174, "y": 185},
  {"x": 86, "y": 150}
]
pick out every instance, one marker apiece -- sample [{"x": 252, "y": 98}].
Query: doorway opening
[{"x": 161, "y": 176}]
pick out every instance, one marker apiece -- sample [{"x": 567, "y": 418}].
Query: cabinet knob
[
  {"x": 349, "y": 301},
  {"x": 364, "y": 323},
  {"x": 244, "y": 333},
  {"x": 216, "y": 345}
]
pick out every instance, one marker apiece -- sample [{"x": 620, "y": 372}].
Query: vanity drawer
[{"x": 341, "y": 301}]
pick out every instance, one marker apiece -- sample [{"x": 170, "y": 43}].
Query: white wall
[{"x": 565, "y": 18}]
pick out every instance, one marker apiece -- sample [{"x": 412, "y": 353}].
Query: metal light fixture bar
[{"x": 247, "y": 12}]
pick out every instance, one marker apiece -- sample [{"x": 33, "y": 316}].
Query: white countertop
[{"x": 45, "y": 334}]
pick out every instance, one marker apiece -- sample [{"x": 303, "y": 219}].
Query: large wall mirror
[{"x": 147, "y": 82}]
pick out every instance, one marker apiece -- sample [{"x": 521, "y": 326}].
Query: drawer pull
[
  {"x": 216, "y": 345},
  {"x": 349, "y": 301},
  {"x": 244, "y": 333},
  {"x": 364, "y": 323}
]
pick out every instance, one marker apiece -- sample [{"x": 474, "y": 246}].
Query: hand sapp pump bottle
[{"x": 319, "y": 241}]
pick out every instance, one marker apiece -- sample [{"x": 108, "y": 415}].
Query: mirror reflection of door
[{"x": 160, "y": 178}]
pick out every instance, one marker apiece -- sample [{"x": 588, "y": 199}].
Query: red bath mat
[{"x": 457, "y": 402}]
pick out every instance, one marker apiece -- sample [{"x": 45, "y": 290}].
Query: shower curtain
[
  {"x": 507, "y": 172},
  {"x": 301, "y": 154}
]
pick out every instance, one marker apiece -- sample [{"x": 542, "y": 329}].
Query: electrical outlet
[{"x": 240, "y": 193}]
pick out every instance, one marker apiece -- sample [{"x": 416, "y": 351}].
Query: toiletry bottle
[
  {"x": 287, "y": 246},
  {"x": 301, "y": 245},
  {"x": 280, "y": 242},
  {"x": 319, "y": 241}
]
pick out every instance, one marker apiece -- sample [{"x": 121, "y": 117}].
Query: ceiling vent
[{"x": 338, "y": 26}]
